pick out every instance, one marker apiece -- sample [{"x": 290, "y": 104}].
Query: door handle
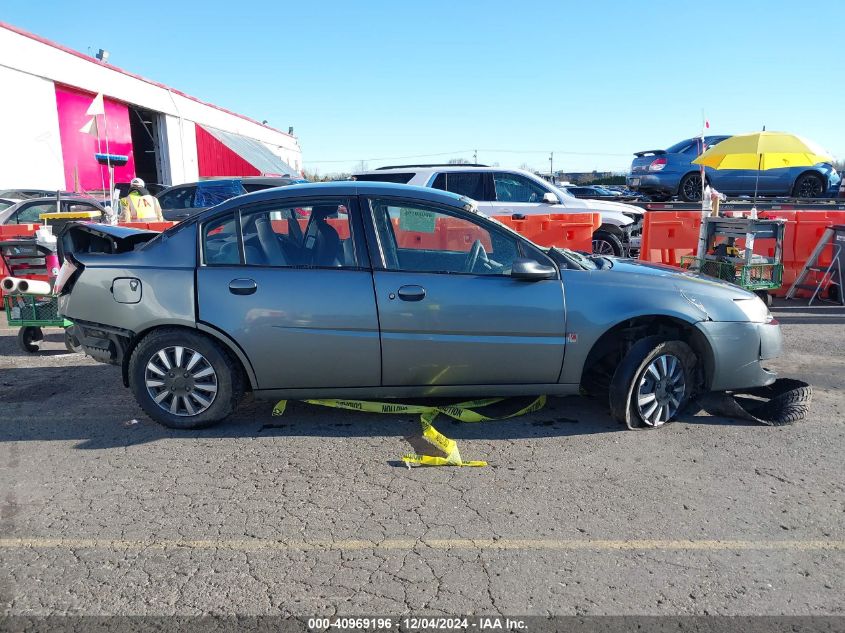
[
  {"x": 411, "y": 293},
  {"x": 242, "y": 286}
]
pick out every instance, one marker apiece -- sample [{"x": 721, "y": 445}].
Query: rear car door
[
  {"x": 290, "y": 282},
  {"x": 476, "y": 185},
  {"x": 450, "y": 313}
]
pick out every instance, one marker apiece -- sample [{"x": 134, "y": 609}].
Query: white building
[{"x": 166, "y": 136}]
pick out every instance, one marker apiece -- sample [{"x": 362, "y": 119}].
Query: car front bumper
[{"x": 739, "y": 349}]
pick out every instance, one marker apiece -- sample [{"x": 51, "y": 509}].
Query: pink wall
[{"x": 78, "y": 149}]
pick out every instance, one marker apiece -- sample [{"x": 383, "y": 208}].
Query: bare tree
[
  {"x": 361, "y": 166},
  {"x": 527, "y": 167}
]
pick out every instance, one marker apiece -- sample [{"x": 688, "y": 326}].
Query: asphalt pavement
[{"x": 104, "y": 512}]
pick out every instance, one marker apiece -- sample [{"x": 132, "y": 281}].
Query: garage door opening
[{"x": 146, "y": 145}]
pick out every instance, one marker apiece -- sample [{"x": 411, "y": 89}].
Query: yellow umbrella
[{"x": 763, "y": 150}]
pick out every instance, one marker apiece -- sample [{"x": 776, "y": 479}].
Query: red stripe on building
[{"x": 215, "y": 159}]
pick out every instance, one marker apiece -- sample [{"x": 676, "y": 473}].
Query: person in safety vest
[{"x": 138, "y": 205}]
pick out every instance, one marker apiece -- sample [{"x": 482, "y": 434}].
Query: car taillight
[
  {"x": 66, "y": 272},
  {"x": 657, "y": 164}
]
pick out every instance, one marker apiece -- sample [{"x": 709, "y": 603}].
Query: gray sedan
[{"x": 375, "y": 290}]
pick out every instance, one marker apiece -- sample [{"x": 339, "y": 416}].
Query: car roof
[
  {"x": 439, "y": 168},
  {"x": 52, "y": 199},
  {"x": 341, "y": 188}
]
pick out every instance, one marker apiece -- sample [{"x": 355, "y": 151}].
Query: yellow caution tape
[{"x": 462, "y": 411}]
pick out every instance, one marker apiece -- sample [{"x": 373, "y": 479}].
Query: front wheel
[
  {"x": 653, "y": 382},
  {"x": 184, "y": 380},
  {"x": 808, "y": 186},
  {"x": 605, "y": 243}
]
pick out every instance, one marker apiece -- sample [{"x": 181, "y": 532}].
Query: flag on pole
[
  {"x": 706, "y": 124},
  {"x": 97, "y": 106},
  {"x": 91, "y": 127}
]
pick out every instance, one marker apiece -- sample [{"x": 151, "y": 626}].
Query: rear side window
[
  {"x": 182, "y": 198},
  {"x": 469, "y": 184},
  {"x": 220, "y": 241},
  {"x": 400, "y": 179}
]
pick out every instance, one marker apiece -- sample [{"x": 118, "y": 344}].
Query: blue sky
[{"x": 593, "y": 81}]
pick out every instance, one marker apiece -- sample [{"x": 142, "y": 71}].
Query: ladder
[{"x": 831, "y": 272}]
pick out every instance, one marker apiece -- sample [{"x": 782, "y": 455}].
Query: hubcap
[
  {"x": 181, "y": 381},
  {"x": 601, "y": 247},
  {"x": 661, "y": 390}
]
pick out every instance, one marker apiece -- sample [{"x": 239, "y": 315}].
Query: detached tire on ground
[
  {"x": 605, "y": 243},
  {"x": 653, "y": 383},
  {"x": 184, "y": 380}
]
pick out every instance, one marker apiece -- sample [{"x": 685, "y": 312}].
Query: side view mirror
[
  {"x": 550, "y": 198},
  {"x": 531, "y": 270}
]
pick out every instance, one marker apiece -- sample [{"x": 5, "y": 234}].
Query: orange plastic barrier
[
  {"x": 11, "y": 231},
  {"x": 669, "y": 235},
  {"x": 565, "y": 230},
  {"x": 149, "y": 226}
]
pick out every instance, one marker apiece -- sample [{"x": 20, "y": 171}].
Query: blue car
[{"x": 664, "y": 174}]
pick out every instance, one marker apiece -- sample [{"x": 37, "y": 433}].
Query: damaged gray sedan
[{"x": 375, "y": 290}]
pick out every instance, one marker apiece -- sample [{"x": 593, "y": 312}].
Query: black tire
[
  {"x": 71, "y": 342},
  {"x": 604, "y": 242},
  {"x": 228, "y": 378},
  {"x": 834, "y": 293},
  {"x": 689, "y": 189},
  {"x": 630, "y": 372},
  {"x": 29, "y": 338},
  {"x": 808, "y": 185}
]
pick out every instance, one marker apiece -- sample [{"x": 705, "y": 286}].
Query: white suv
[{"x": 514, "y": 191}]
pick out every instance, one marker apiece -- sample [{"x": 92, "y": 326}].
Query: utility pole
[
  {"x": 475, "y": 156},
  {"x": 551, "y": 164}
]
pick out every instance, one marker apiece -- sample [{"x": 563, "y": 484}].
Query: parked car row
[
  {"x": 664, "y": 174},
  {"x": 514, "y": 191}
]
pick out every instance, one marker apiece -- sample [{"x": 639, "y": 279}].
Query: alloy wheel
[
  {"x": 661, "y": 390},
  {"x": 810, "y": 188},
  {"x": 181, "y": 381},
  {"x": 692, "y": 188},
  {"x": 601, "y": 247}
]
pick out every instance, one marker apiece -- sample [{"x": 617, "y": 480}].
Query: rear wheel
[
  {"x": 184, "y": 380},
  {"x": 653, "y": 382},
  {"x": 605, "y": 243},
  {"x": 690, "y": 188},
  {"x": 808, "y": 186}
]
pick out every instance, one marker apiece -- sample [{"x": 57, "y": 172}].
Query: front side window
[
  {"x": 419, "y": 238},
  {"x": 517, "y": 188}
]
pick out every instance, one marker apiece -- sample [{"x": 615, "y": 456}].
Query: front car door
[
  {"x": 450, "y": 314},
  {"x": 290, "y": 282}
]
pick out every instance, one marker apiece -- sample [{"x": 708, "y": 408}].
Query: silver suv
[{"x": 515, "y": 191}]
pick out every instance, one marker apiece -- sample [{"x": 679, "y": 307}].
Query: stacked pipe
[{"x": 12, "y": 285}]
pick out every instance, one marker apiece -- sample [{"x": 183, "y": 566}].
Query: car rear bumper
[
  {"x": 739, "y": 350},
  {"x": 650, "y": 182}
]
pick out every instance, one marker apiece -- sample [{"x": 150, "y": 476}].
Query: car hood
[
  {"x": 651, "y": 277},
  {"x": 603, "y": 206}
]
